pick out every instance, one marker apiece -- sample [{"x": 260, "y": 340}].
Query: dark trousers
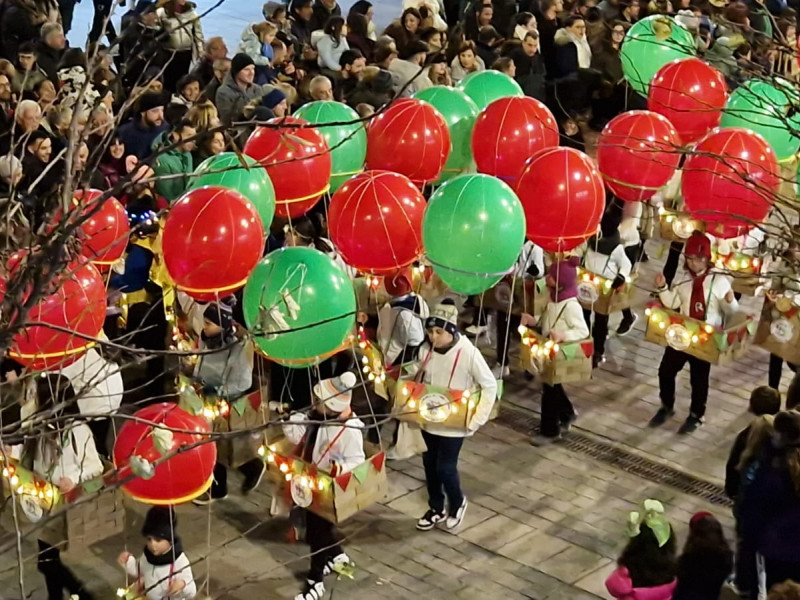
[
  {"x": 556, "y": 409},
  {"x": 673, "y": 258},
  {"x": 100, "y": 429},
  {"x": 633, "y": 253},
  {"x": 776, "y": 370},
  {"x": 699, "y": 372},
  {"x": 745, "y": 572},
  {"x": 599, "y": 330},
  {"x": 177, "y": 66},
  {"x": 66, "y": 8},
  {"x": 779, "y": 571},
  {"x": 324, "y": 542},
  {"x": 441, "y": 471},
  {"x": 502, "y": 327},
  {"x": 102, "y": 10},
  {"x": 219, "y": 487},
  {"x": 57, "y": 577},
  {"x": 148, "y": 325}
]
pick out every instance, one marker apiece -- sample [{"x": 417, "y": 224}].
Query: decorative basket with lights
[
  {"x": 779, "y": 328},
  {"x": 676, "y": 225},
  {"x": 595, "y": 293},
  {"x": 424, "y": 404},
  {"x": 59, "y": 519},
  {"x": 371, "y": 294},
  {"x": 247, "y": 413},
  {"x": 335, "y": 498},
  {"x": 372, "y": 365},
  {"x": 529, "y": 296},
  {"x": 716, "y": 345},
  {"x": 745, "y": 270},
  {"x": 563, "y": 362}
]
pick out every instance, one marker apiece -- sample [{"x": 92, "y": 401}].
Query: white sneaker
[
  {"x": 455, "y": 520},
  {"x": 330, "y": 566},
  {"x": 475, "y": 329},
  {"x": 500, "y": 372},
  {"x": 315, "y": 590}
]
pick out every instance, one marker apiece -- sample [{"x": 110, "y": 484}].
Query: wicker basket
[
  {"x": 59, "y": 519},
  {"x": 333, "y": 498},
  {"x": 779, "y": 328},
  {"x": 744, "y": 270},
  {"x": 595, "y": 293},
  {"x": 677, "y": 226},
  {"x": 718, "y": 346},
  {"x": 553, "y": 363}
]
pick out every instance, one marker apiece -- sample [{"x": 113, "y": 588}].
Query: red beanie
[
  {"x": 697, "y": 517},
  {"x": 698, "y": 245},
  {"x": 399, "y": 284}
]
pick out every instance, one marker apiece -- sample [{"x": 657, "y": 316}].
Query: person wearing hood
[
  {"x": 238, "y": 89},
  {"x": 604, "y": 255},
  {"x": 141, "y": 131},
  {"x": 163, "y": 570},
  {"x": 449, "y": 360},
  {"x": 561, "y": 321},
  {"x": 329, "y": 437},
  {"x": 705, "y": 296},
  {"x": 173, "y": 165},
  {"x": 184, "y": 41}
]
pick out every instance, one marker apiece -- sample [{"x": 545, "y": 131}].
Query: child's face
[
  {"x": 439, "y": 337},
  {"x": 210, "y": 328},
  {"x": 158, "y": 546}
]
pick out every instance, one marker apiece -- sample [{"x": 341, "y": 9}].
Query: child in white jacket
[
  {"x": 562, "y": 321},
  {"x": 331, "y": 438},
  {"x": 163, "y": 572}
]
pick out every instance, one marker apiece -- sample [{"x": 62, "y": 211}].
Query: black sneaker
[
  {"x": 207, "y": 499},
  {"x": 253, "y": 477},
  {"x": 430, "y": 519},
  {"x": 597, "y": 360},
  {"x": 626, "y": 325},
  {"x": 690, "y": 425},
  {"x": 566, "y": 424},
  {"x": 661, "y": 417}
]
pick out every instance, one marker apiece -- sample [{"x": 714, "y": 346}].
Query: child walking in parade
[{"x": 705, "y": 296}]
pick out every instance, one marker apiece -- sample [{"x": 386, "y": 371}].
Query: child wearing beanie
[
  {"x": 562, "y": 321},
  {"x": 163, "y": 572}
]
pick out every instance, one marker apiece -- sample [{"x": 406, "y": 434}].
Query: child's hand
[
  {"x": 660, "y": 280},
  {"x": 528, "y": 320},
  {"x": 65, "y": 484},
  {"x": 177, "y": 585},
  {"x": 123, "y": 558},
  {"x": 556, "y": 336}
]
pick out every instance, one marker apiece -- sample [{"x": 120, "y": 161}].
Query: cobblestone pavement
[{"x": 542, "y": 523}]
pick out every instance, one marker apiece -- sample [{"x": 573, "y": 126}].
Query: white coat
[
  {"x": 97, "y": 383},
  {"x": 399, "y": 327},
  {"x": 608, "y": 265},
  {"x": 156, "y": 579},
  {"x": 185, "y": 32},
  {"x": 76, "y": 460},
  {"x": 566, "y": 318},
  {"x": 715, "y": 288},
  {"x": 337, "y": 442}
]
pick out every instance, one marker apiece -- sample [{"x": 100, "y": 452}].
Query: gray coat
[
  {"x": 231, "y": 99},
  {"x": 229, "y": 371}
]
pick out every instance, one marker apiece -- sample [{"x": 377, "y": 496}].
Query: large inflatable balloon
[
  {"x": 105, "y": 232},
  {"x": 562, "y": 194},
  {"x": 299, "y": 305},
  {"x": 165, "y": 464},
  {"x": 375, "y": 222},
  {"x": 730, "y": 180},
  {"x": 346, "y": 138},
  {"x": 297, "y": 161},
  {"x": 460, "y": 112},
  {"x": 649, "y": 45},
  {"x": 240, "y": 173},
  {"x": 637, "y": 153},
  {"x": 508, "y": 132},
  {"x": 411, "y": 138},
  {"x": 768, "y": 110},
  {"x": 484, "y": 87},
  {"x": 213, "y": 238},
  {"x": 473, "y": 232},
  {"x": 691, "y": 94}
]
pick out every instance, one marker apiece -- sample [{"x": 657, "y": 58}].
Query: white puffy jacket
[
  {"x": 156, "y": 579},
  {"x": 184, "y": 29},
  {"x": 337, "y": 442},
  {"x": 97, "y": 383}
]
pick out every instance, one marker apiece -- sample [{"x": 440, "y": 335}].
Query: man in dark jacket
[
  {"x": 324, "y": 10},
  {"x": 487, "y": 40},
  {"x": 50, "y": 49},
  {"x": 530, "y": 67},
  {"x": 215, "y": 49},
  {"x": 238, "y": 89},
  {"x": 22, "y": 22},
  {"x": 140, "y": 132},
  {"x": 140, "y": 43}
]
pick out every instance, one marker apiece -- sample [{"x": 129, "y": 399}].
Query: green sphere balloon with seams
[
  {"x": 347, "y": 141},
  {"x": 242, "y": 174},
  {"x": 299, "y": 305},
  {"x": 484, "y": 87},
  {"x": 473, "y": 231},
  {"x": 460, "y": 112}
]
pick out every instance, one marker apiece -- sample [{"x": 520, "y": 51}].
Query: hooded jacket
[
  {"x": 457, "y": 72},
  {"x": 401, "y": 325},
  {"x": 229, "y": 371},
  {"x": 405, "y": 72},
  {"x": 567, "y": 54},
  {"x": 337, "y": 442},
  {"x": 620, "y": 586},
  {"x": 171, "y": 162},
  {"x": 251, "y": 46},
  {"x": 183, "y": 30},
  {"x": 231, "y": 99},
  {"x": 97, "y": 383},
  {"x": 156, "y": 579}
]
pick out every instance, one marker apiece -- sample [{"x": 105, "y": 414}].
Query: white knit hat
[{"x": 337, "y": 392}]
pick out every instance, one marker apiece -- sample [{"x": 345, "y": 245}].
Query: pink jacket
[{"x": 620, "y": 586}]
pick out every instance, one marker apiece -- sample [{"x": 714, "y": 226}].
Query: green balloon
[
  {"x": 460, "y": 112},
  {"x": 473, "y": 232},
  {"x": 299, "y": 305},
  {"x": 348, "y": 141},
  {"x": 764, "y": 108},
  {"x": 649, "y": 45},
  {"x": 252, "y": 181},
  {"x": 484, "y": 87}
]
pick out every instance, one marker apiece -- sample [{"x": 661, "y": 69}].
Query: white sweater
[
  {"x": 156, "y": 579},
  {"x": 342, "y": 443},
  {"x": 531, "y": 255},
  {"x": 469, "y": 371},
  {"x": 78, "y": 460},
  {"x": 330, "y": 52},
  {"x": 565, "y": 317},
  {"x": 629, "y": 227},
  {"x": 399, "y": 327},
  {"x": 715, "y": 288},
  {"x": 97, "y": 383},
  {"x": 608, "y": 266}
]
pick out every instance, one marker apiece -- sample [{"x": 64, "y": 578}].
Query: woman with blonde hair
[{"x": 203, "y": 116}]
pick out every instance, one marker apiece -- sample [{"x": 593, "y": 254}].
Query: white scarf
[{"x": 584, "y": 50}]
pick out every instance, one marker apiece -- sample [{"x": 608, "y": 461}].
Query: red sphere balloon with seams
[{"x": 106, "y": 231}]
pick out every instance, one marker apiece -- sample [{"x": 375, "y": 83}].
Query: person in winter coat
[
  {"x": 330, "y": 438},
  {"x": 605, "y": 256},
  {"x": 530, "y": 70},
  {"x": 22, "y": 22},
  {"x": 704, "y": 296},
  {"x": 634, "y": 249},
  {"x": 50, "y": 49},
  {"x": 562, "y": 321},
  {"x": 28, "y": 73},
  {"x": 141, "y": 131},
  {"x": 65, "y": 456},
  {"x": 163, "y": 571},
  {"x": 256, "y": 42},
  {"x": 184, "y": 40},
  {"x": 323, "y": 11},
  {"x": 74, "y": 91},
  {"x": 706, "y": 562},
  {"x": 466, "y": 61},
  {"x": 406, "y": 29},
  {"x": 647, "y": 567},
  {"x": 407, "y": 69},
  {"x": 174, "y": 162},
  {"x": 141, "y": 44},
  {"x": 449, "y": 360},
  {"x": 238, "y": 89},
  {"x": 612, "y": 92},
  {"x": 332, "y": 44}
]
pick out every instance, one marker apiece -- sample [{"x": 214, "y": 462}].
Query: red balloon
[
  {"x": 411, "y": 138},
  {"x": 76, "y": 303},
  {"x": 213, "y": 238},
  {"x": 637, "y": 154},
  {"x": 691, "y": 94},
  {"x": 508, "y": 132},
  {"x": 106, "y": 232},
  {"x": 180, "y": 478},
  {"x": 297, "y": 161},
  {"x": 730, "y": 180},
  {"x": 375, "y": 222},
  {"x": 562, "y": 194}
]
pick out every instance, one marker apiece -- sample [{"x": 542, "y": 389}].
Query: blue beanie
[{"x": 273, "y": 98}]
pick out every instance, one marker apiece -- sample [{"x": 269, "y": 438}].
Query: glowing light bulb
[{"x": 284, "y": 468}]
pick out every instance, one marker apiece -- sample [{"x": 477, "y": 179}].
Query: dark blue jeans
[{"x": 441, "y": 471}]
